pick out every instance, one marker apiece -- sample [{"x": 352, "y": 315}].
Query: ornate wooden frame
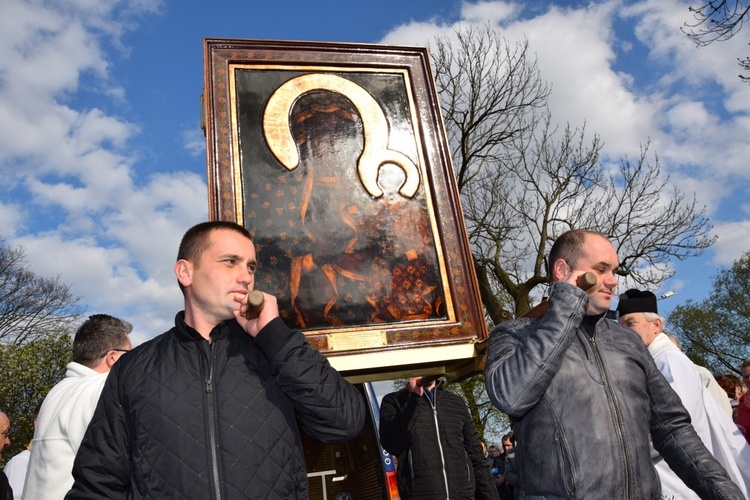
[{"x": 370, "y": 260}]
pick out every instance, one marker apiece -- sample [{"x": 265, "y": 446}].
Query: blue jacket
[{"x": 584, "y": 407}]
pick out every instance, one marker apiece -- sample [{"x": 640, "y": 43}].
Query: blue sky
[{"x": 103, "y": 163}]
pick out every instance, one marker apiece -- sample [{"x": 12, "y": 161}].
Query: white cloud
[
  {"x": 11, "y": 216},
  {"x": 194, "y": 141},
  {"x": 492, "y": 12},
  {"x": 734, "y": 241},
  {"x": 415, "y": 33},
  {"x": 72, "y": 196},
  {"x": 575, "y": 53},
  {"x": 106, "y": 278},
  {"x": 111, "y": 238}
]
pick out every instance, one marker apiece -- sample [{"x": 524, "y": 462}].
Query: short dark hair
[
  {"x": 568, "y": 247},
  {"x": 196, "y": 240},
  {"x": 97, "y": 335},
  {"x": 746, "y": 363}
]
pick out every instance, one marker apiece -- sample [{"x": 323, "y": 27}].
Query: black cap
[{"x": 636, "y": 301}]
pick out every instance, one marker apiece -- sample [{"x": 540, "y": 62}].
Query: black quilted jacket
[
  {"x": 437, "y": 447},
  {"x": 182, "y": 418}
]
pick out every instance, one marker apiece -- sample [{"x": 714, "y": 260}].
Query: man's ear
[
  {"x": 560, "y": 269},
  {"x": 110, "y": 359},
  {"x": 659, "y": 325},
  {"x": 184, "y": 272}
]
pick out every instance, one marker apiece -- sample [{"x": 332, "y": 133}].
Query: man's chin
[{"x": 597, "y": 309}]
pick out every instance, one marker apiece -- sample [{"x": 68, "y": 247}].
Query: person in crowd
[
  {"x": 497, "y": 467},
  {"x": 432, "y": 434},
  {"x": 508, "y": 442},
  {"x": 638, "y": 310},
  {"x": 709, "y": 381},
  {"x": 510, "y": 479},
  {"x": 584, "y": 395},
  {"x": 17, "y": 466},
  {"x": 6, "y": 492},
  {"x": 68, "y": 407},
  {"x": 743, "y": 409},
  {"x": 511, "y": 474},
  {"x": 493, "y": 455},
  {"x": 210, "y": 408},
  {"x": 732, "y": 386}
]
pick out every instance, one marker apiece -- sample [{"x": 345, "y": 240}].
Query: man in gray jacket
[{"x": 584, "y": 394}]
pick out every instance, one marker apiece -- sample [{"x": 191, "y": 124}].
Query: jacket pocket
[
  {"x": 566, "y": 468},
  {"x": 469, "y": 468}
]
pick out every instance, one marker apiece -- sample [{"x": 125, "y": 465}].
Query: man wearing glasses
[
  {"x": 638, "y": 311},
  {"x": 69, "y": 406}
]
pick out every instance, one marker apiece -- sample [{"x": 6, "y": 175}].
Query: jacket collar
[
  {"x": 186, "y": 332},
  {"x": 659, "y": 344}
]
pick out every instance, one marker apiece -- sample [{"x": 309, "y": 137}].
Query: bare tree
[
  {"x": 718, "y": 21},
  {"x": 523, "y": 181},
  {"x": 486, "y": 87},
  {"x": 31, "y": 305}
]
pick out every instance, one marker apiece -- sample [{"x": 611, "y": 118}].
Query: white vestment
[
  {"x": 63, "y": 418},
  {"x": 714, "y": 389},
  {"x": 715, "y": 428}
]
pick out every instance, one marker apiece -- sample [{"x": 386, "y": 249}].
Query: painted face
[
  {"x": 224, "y": 271},
  {"x": 647, "y": 330},
  {"x": 598, "y": 256}
]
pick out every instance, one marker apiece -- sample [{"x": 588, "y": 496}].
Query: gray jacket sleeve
[{"x": 519, "y": 368}]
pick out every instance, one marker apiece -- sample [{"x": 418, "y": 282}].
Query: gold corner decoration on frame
[{"x": 376, "y": 151}]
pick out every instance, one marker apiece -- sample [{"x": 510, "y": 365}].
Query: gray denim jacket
[{"x": 583, "y": 409}]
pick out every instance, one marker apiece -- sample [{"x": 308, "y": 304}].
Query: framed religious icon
[{"x": 334, "y": 156}]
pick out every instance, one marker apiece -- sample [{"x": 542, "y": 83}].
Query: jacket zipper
[
  {"x": 212, "y": 428},
  {"x": 440, "y": 445},
  {"x": 613, "y": 408}
]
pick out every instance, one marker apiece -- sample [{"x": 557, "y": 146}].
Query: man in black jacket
[
  {"x": 433, "y": 436},
  {"x": 585, "y": 395},
  {"x": 6, "y": 492},
  {"x": 209, "y": 409}
]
